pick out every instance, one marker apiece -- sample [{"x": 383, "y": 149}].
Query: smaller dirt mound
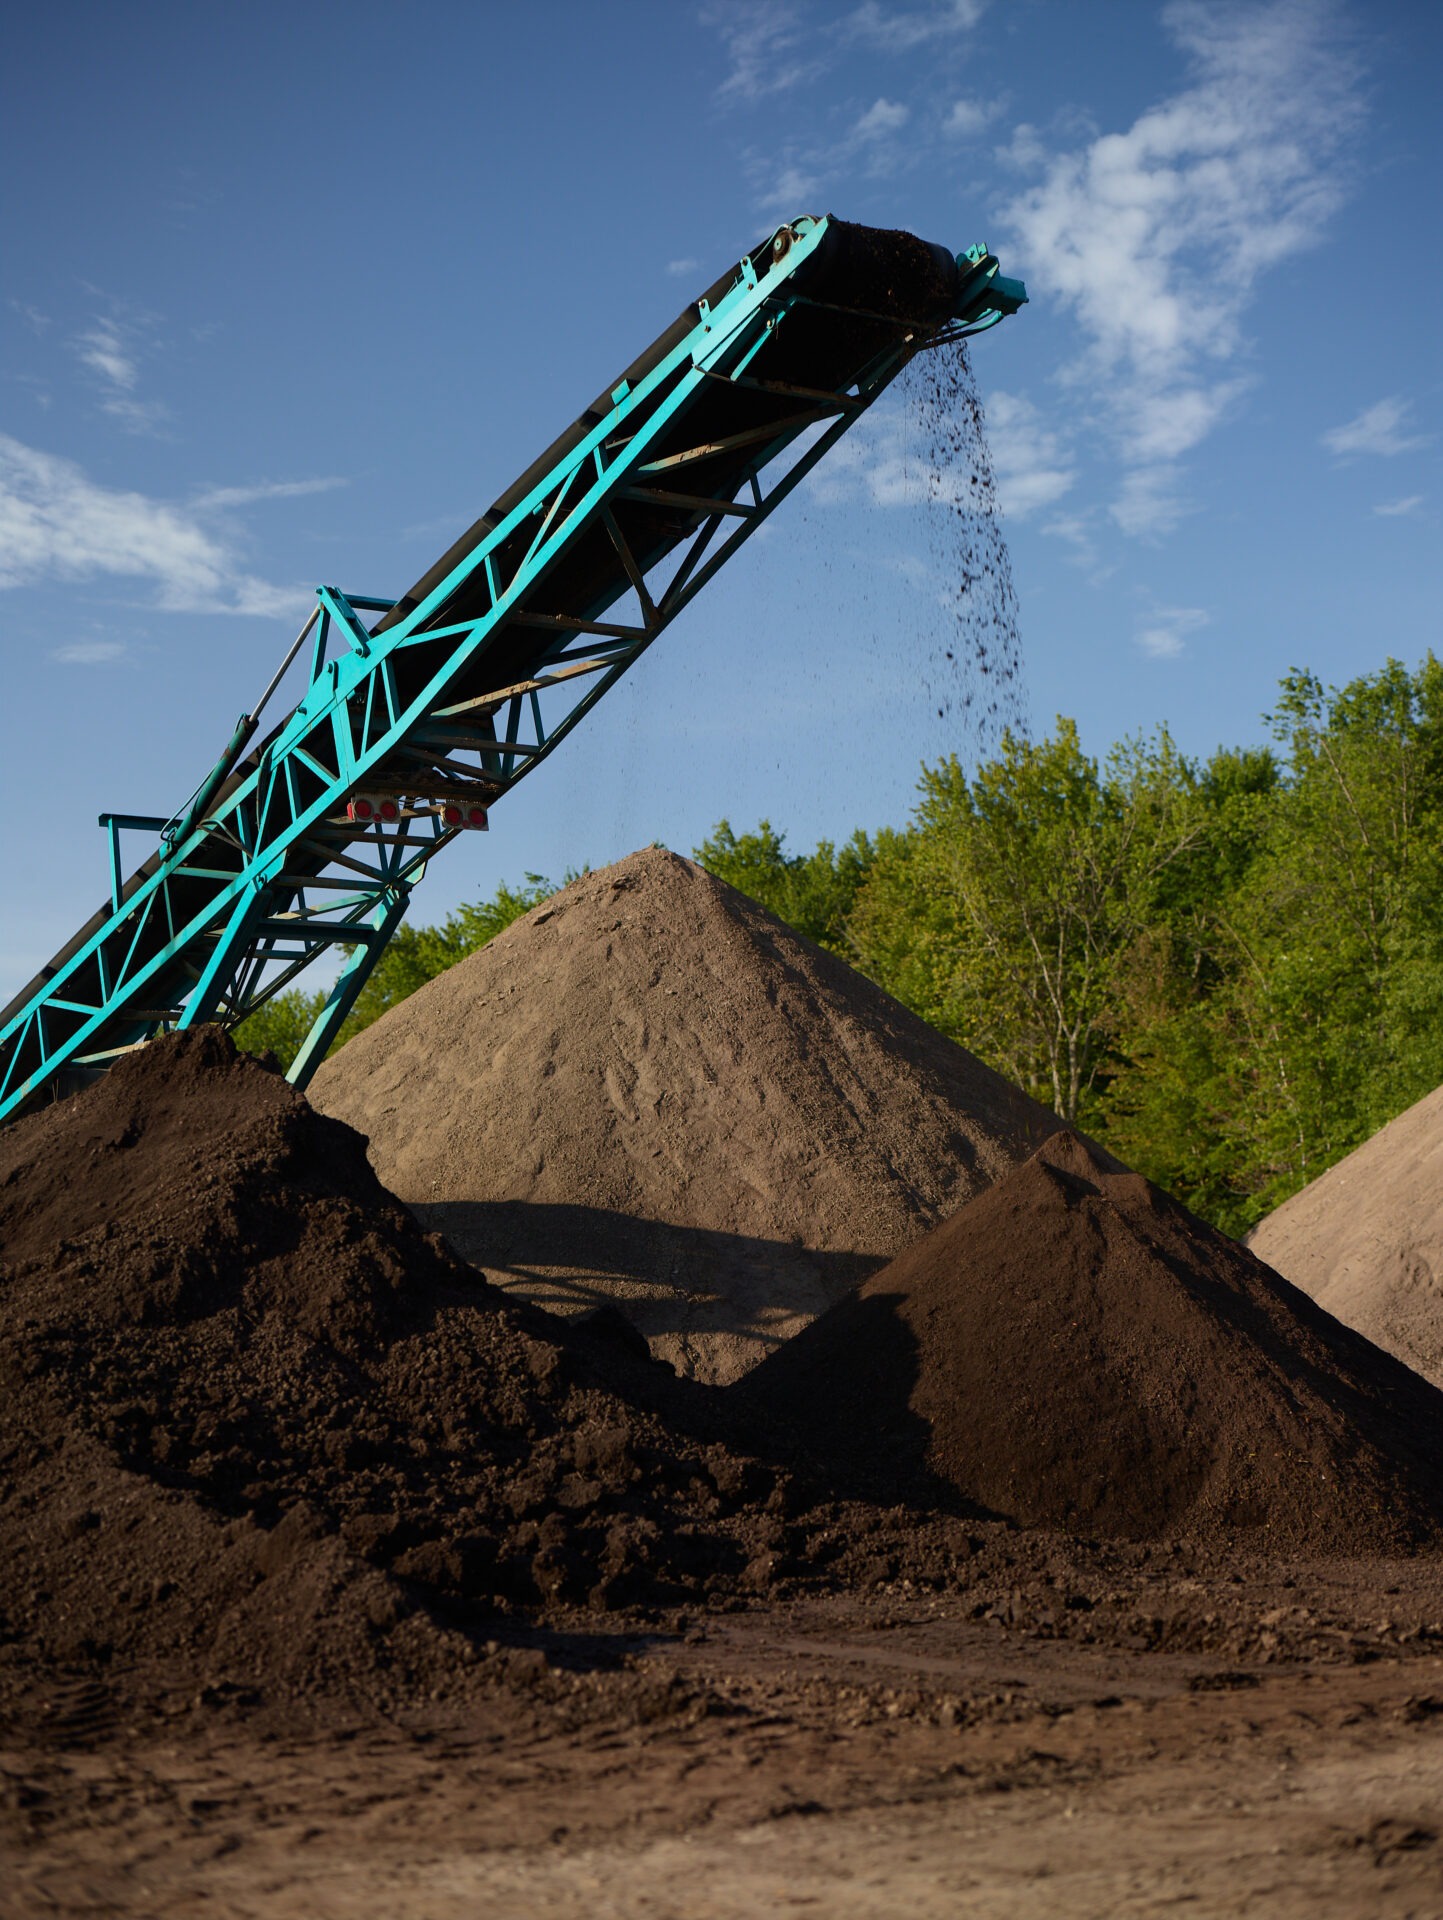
[
  {"x": 1075, "y": 1348},
  {"x": 253, "y": 1420},
  {"x": 650, "y": 1092},
  {"x": 1365, "y": 1240}
]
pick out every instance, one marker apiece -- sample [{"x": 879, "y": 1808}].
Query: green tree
[
  {"x": 1170, "y": 1103},
  {"x": 1335, "y": 1004},
  {"x": 812, "y": 892},
  {"x": 1012, "y": 920},
  {"x": 413, "y": 956},
  {"x": 1303, "y": 1004}
]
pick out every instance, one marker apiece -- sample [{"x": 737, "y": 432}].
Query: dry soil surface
[
  {"x": 650, "y": 1092},
  {"x": 837, "y": 1757},
  {"x": 1366, "y": 1238}
]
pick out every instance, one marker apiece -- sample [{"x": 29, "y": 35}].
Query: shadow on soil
[{"x": 574, "y": 1258}]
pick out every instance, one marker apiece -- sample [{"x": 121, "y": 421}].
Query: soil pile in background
[
  {"x": 1075, "y": 1348},
  {"x": 253, "y": 1421},
  {"x": 650, "y": 1092},
  {"x": 1366, "y": 1238}
]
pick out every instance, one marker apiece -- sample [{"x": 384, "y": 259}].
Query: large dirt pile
[
  {"x": 253, "y": 1419},
  {"x": 651, "y": 1092},
  {"x": 1073, "y": 1347},
  {"x": 1366, "y": 1238}
]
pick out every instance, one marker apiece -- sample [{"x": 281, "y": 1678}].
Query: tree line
[{"x": 1228, "y": 970}]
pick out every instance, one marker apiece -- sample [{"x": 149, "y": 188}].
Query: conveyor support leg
[{"x": 353, "y": 976}]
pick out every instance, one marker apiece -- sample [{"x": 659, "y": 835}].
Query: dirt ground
[
  {"x": 335, "y": 1584},
  {"x": 880, "y": 1756}
]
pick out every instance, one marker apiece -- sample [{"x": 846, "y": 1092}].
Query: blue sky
[{"x": 291, "y": 293}]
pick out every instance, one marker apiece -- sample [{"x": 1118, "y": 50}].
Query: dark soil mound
[
  {"x": 252, "y": 1418},
  {"x": 650, "y": 1092},
  {"x": 1075, "y": 1348}
]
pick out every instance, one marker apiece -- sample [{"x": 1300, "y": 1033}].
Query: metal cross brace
[{"x": 457, "y": 695}]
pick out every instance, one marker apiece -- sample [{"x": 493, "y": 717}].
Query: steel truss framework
[{"x": 461, "y": 694}]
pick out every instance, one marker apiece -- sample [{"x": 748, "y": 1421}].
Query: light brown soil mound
[
  {"x": 651, "y": 1092},
  {"x": 1366, "y": 1238},
  {"x": 1073, "y": 1347}
]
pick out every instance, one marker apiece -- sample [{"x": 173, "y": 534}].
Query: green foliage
[
  {"x": 813, "y": 892},
  {"x": 413, "y": 956},
  {"x": 1230, "y": 972},
  {"x": 281, "y": 1025},
  {"x": 1015, "y": 918}
]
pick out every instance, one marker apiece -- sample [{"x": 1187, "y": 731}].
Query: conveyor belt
[{"x": 449, "y": 696}]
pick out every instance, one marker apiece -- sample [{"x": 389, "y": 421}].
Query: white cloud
[
  {"x": 138, "y": 416},
  {"x": 1028, "y": 460},
  {"x": 1149, "y": 503},
  {"x": 35, "y": 388},
  {"x": 1165, "y": 636},
  {"x": 883, "y": 117},
  {"x": 870, "y": 143},
  {"x": 1377, "y": 429},
  {"x": 89, "y": 653},
  {"x": 220, "y": 497},
  {"x": 792, "y": 192},
  {"x": 37, "y": 321},
  {"x": 968, "y": 118},
  {"x": 1077, "y": 531},
  {"x": 1155, "y": 237},
  {"x": 1167, "y": 422},
  {"x": 103, "y": 350},
  {"x": 680, "y": 267},
  {"x": 57, "y": 523},
  {"x": 879, "y": 460},
  {"x": 900, "y": 29},
  {"x": 110, "y": 349},
  {"x": 1396, "y": 509},
  {"x": 767, "y": 49}
]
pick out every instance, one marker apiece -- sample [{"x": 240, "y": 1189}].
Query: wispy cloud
[
  {"x": 1156, "y": 236},
  {"x": 1028, "y": 458},
  {"x": 772, "y": 46},
  {"x": 57, "y": 523},
  {"x": 969, "y": 118},
  {"x": 900, "y": 29},
  {"x": 1398, "y": 509},
  {"x": 35, "y": 388},
  {"x": 104, "y": 351},
  {"x": 881, "y": 118},
  {"x": 1165, "y": 635},
  {"x": 794, "y": 184},
  {"x": 768, "y": 48},
  {"x": 1150, "y": 502},
  {"x": 89, "y": 653},
  {"x": 38, "y": 322},
  {"x": 880, "y": 461},
  {"x": 1380, "y": 428},
  {"x": 212, "y": 498},
  {"x": 679, "y": 267},
  {"x": 1078, "y": 533},
  {"x": 792, "y": 191},
  {"x": 110, "y": 351}
]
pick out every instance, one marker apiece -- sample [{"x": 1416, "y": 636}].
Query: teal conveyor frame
[{"x": 421, "y": 714}]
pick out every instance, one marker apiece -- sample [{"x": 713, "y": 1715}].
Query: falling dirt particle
[{"x": 973, "y": 670}]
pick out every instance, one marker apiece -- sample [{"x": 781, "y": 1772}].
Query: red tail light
[
  {"x": 458, "y": 813},
  {"x": 365, "y": 809}
]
